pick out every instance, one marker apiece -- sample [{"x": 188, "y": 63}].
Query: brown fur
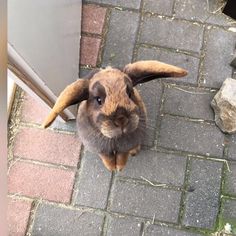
[{"x": 111, "y": 121}]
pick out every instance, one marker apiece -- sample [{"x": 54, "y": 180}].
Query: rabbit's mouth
[{"x": 111, "y": 130}]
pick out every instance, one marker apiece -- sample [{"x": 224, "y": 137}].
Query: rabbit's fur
[{"x": 111, "y": 117}]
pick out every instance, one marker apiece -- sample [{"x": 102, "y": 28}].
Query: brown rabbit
[{"x": 111, "y": 117}]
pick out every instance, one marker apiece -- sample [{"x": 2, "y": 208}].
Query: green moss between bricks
[{"x": 224, "y": 221}]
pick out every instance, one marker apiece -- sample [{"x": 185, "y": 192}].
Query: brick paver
[
  {"x": 192, "y": 10},
  {"x": 151, "y": 94},
  {"x": 232, "y": 148},
  {"x": 53, "y": 220},
  {"x": 194, "y": 103},
  {"x": 159, "y": 6},
  {"x": 216, "y": 71},
  {"x": 154, "y": 230},
  {"x": 35, "y": 112},
  {"x": 230, "y": 180},
  {"x": 145, "y": 201},
  {"x": 93, "y": 18},
  {"x": 228, "y": 214},
  {"x": 47, "y": 146},
  {"x": 120, "y": 38},
  {"x": 93, "y": 182},
  {"x": 187, "y": 62},
  {"x": 202, "y": 204},
  {"x": 157, "y": 167},
  {"x": 166, "y": 33},
  {"x": 41, "y": 181},
  {"x": 179, "y": 183},
  {"x": 123, "y": 226},
  {"x": 18, "y": 212},
  {"x": 196, "y": 137},
  {"x": 89, "y": 50}
]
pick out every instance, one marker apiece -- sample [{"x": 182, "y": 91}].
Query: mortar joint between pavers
[
  {"x": 191, "y": 119},
  {"x": 158, "y": 122},
  {"x": 169, "y": 49},
  {"x": 14, "y": 118},
  {"x": 184, "y": 194},
  {"x": 137, "y": 36},
  {"x": 43, "y": 163},
  {"x": 74, "y": 192},
  {"x": 109, "y": 194},
  {"x": 196, "y": 22},
  {"x": 142, "y": 225},
  {"x": 117, "y": 7},
  {"x": 77, "y": 177},
  {"x": 222, "y": 186},
  {"x": 201, "y": 76},
  {"x": 33, "y": 211},
  {"x": 189, "y": 87},
  {"x": 189, "y": 154},
  {"x": 105, "y": 30},
  {"x": 24, "y": 124},
  {"x": 142, "y": 218},
  {"x": 91, "y": 35},
  {"x": 153, "y": 184},
  {"x": 104, "y": 225},
  {"x": 228, "y": 196}
]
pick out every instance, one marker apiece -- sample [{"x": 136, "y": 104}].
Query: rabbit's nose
[{"x": 121, "y": 121}]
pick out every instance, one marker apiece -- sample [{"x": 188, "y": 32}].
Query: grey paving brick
[
  {"x": 145, "y": 201},
  {"x": 120, "y": 39},
  {"x": 123, "y": 226},
  {"x": 159, "y": 6},
  {"x": 202, "y": 205},
  {"x": 229, "y": 209},
  {"x": 154, "y": 230},
  {"x": 84, "y": 71},
  {"x": 93, "y": 182},
  {"x": 228, "y": 214},
  {"x": 157, "y": 167},
  {"x": 217, "y": 68},
  {"x": 230, "y": 180},
  {"x": 52, "y": 220},
  {"x": 192, "y": 10},
  {"x": 167, "y": 33},
  {"x": 187, "y": 62},
  {"x": 65, "y": 126},
  {"x": 135, "y": 4},
  {"x": 151, "y": 93},
  {"x": 193, "y": 103},
  {"x": 232, "y": 148},
  {"x": 180, "y": 134}
]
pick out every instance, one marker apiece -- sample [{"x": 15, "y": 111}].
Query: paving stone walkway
[{"x": 183, "y": 183}]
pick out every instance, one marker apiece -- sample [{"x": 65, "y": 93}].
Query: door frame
[{"x": 24, "y": 76}]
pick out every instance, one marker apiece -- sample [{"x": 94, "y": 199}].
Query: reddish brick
[
  {"x": 89, "y": 50},
  {"x": 41, "y": 181},
  {"x": 33, "y": 111},
  {"x": 47, "y": 146},
  {"x": 18, "y": 212},
  {"x": 93, "y": 18}
]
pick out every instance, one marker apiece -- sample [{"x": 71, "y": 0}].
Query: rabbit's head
[{"x": 112, "y": 102}]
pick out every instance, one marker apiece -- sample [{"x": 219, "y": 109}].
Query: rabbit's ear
[
  {"x": 144, "y": 71},
  {"x": 72, "y": 94}
]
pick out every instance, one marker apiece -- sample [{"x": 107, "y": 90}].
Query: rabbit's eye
[
  {"x": 99, "y": 100},
  {"x": 129, "y": 91}
]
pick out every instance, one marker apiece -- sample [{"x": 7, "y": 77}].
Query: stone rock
[{"x": 224, "y": 105}]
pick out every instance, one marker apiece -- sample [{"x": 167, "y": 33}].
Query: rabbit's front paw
[
  {"x": 121, "y": 160},
  {"x": 109, "y": 162}
]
